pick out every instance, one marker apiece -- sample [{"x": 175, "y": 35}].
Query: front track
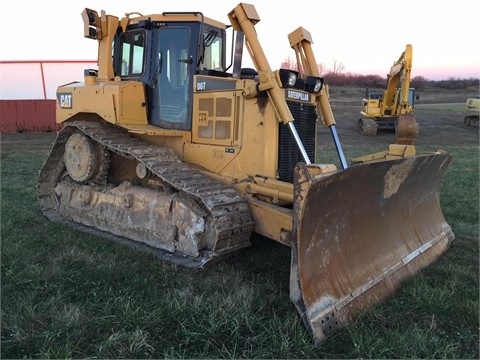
[{"x": 190, "y": 220}]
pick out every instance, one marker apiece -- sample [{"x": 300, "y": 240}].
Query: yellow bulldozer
[{"x": 167, "y": 147}]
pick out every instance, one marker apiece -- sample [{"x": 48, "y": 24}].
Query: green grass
[
  {"x": 66, "y": 294},
  {"x": 442, "y": 106}
]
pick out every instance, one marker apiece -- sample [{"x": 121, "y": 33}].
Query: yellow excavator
[
  {"x": 167, "y": 147},
  {"x": 392, "y": 109}
]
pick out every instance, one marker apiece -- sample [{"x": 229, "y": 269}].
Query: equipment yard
[
  {"x": 174, "y": 148},
  {"x": 439, "y": 112}
]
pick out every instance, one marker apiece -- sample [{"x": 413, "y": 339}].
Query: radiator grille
[{"x": 289, "y": 155}]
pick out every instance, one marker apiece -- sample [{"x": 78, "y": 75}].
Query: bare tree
[
  {"x": 291, "y": 64},
  {"x": 338, "y": 67}
]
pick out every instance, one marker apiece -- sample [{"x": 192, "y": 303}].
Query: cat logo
[
  {"x": 298, "y": 95},
  {"x": 64, "y": 100}
]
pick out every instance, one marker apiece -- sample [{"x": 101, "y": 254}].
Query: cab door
[{"x": 172, "y": 94}]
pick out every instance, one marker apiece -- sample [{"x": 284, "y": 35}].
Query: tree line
[
  {"x": 377, "y": 81},
  {"x": 337, "y": 77}
]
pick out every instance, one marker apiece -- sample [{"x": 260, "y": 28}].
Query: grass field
[
  {"x": 444, "y": 106},
  {"x": 66, "y": 294}
]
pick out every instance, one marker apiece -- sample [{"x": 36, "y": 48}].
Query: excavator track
[
  {"x": 367, "y": 127},
  {"x": 211, "y": 218}
]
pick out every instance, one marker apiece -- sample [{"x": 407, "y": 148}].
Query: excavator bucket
[{"x": 359, "y": 232}]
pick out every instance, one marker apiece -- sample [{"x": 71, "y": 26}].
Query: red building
[{"x": 28, "y": 92}]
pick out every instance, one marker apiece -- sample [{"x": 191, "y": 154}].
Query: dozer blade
[{"x": 359, "y": 232}]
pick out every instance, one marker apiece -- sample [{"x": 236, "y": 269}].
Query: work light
[
  {"x": 313, "y": 84},
  {"x": 288, "y": 77}
]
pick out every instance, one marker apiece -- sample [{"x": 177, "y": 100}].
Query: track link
[{"x": 227, "y": 212}]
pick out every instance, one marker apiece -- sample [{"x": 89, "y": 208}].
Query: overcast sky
[{"x": 365, "y": 37}]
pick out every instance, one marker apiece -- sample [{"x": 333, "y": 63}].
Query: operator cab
[{"x": 165, "y": 56}]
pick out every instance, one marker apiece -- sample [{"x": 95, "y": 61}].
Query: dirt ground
[{"x": 439, "y": 114}]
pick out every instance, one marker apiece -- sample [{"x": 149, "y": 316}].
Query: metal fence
[{"x": 28, "y": 115}]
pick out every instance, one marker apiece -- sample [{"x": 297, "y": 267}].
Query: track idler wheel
[{"x": 85, "y": 160}]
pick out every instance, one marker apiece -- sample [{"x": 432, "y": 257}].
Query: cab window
[
  {"x": 174, "y": 76},
  {"x": 132, "y": 49},
  {"x": 213, "y": 50}
]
